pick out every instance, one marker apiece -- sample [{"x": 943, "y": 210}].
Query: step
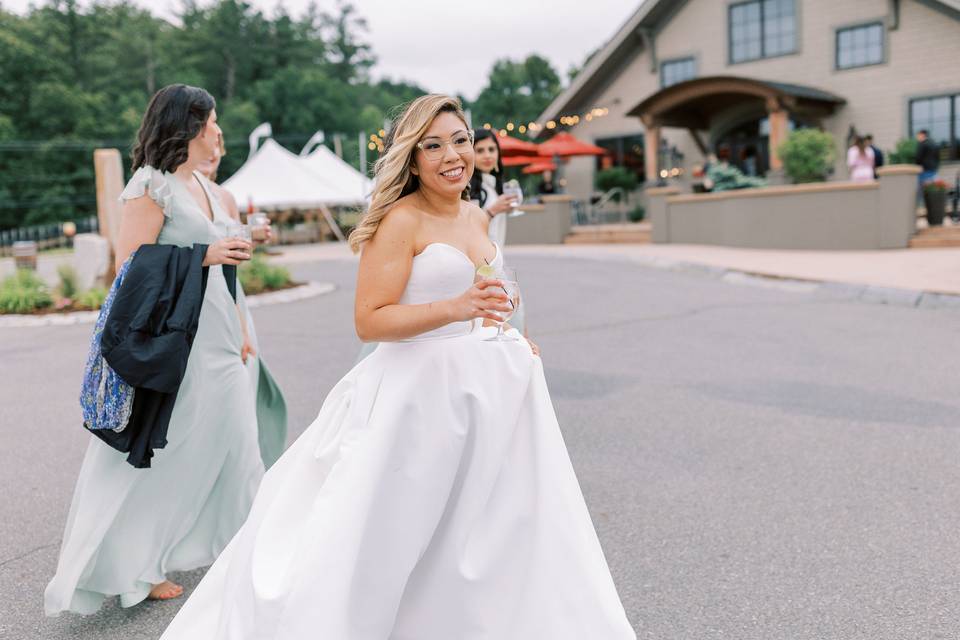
[
  {"x": 947, "y": 236},
  {"x": 609, "y": 233}
]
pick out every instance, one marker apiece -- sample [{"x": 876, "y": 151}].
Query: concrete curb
[
  {"x": 303, "y": 292},
  {"x": 872, "y": 294}
]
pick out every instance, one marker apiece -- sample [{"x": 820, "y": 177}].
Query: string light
[{"x": 377, "y": 141}]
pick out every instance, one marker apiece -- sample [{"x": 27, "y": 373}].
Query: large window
[
  {"x": 679, "y": 70},
  {"x": 625, "y": 151},
  {"x": 940, "y": 116},
  {"x": 762, "y": 29},
  {"x": 860, "y": 46}
]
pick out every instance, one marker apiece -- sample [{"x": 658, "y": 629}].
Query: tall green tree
[{"x": 516, "y": 91}]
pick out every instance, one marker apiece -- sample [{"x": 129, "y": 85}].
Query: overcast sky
[{"x": 450, "y": 46}]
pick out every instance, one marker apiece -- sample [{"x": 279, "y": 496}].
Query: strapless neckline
[{"x": 465, "y": 256}]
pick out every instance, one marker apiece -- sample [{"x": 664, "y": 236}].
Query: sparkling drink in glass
[{"x": 511, "y": 287}]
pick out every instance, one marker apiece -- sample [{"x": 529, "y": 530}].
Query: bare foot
[{"x": 166, "y": 590}]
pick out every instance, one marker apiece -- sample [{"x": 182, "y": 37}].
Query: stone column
[
  {"x": 896, "y": 204},
  {"x": 779, "y": 129},
  {"x": 651, "y": 153},
  {"x": 658, "y": 212}
]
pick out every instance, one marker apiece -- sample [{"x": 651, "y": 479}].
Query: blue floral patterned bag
[{"x": 105, "y": 398}]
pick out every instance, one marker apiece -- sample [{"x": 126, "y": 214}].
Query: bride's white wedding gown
[{"x": 432, "y": 499}]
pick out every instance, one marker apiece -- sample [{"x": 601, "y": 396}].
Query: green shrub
[
  {"x": 258, "y": 275},
  {"x": 726, "y": 177},
  {"x": 91, "y": 299},
  {"x": 807, "y": 155},
  {"x": 68, "y": 281},
  {"x": 638, "y": 213},
  {"x": 616, "y": 177},
  {"x": 24, "y": 292},
  {"x": 905, "y": 153}
]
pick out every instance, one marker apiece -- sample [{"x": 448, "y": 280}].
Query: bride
[{"x": 433, "y": 497}]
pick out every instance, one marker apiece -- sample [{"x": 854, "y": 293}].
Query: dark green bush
[
  {"x": 616, "y": 177},
  {"x": 807, "y": 155},
  {"x": 905, "y": 153}
]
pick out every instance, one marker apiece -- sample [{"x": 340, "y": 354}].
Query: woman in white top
[
  {"x": 486, "y": 185},
  {"x": 860, "y": 161}
]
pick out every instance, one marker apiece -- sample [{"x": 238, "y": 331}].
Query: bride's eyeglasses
[{"x": 433, "y": 148}]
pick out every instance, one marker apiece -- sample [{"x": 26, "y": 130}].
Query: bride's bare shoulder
[
  {"x": 399, "y": 224},
  {"x": 477, "y": 215}
]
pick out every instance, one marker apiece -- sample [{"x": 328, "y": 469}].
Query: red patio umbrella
[
  {"x": 512, "y": 147},
  {"x": 565, "y": 145},
  {"x": 540, "y": 166},
  {"x": 519, "y": 161}
]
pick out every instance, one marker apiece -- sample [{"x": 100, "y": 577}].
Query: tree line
[{"x": 77, "y": 78}]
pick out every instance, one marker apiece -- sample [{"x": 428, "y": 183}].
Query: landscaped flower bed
[{"x": 25, "y": 292}]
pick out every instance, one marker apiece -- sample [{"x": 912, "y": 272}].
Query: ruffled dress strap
[{"x": 152, "y": 182}]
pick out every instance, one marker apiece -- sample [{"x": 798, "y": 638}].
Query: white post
[{"x": 362, "y": 140}]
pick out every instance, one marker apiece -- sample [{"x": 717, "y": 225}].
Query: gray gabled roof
[{"x": 627, "y": 44}]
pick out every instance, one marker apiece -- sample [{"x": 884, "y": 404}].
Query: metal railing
[
  {"x": 47, "y": 236},
  {"x": 605, "y": 209}
]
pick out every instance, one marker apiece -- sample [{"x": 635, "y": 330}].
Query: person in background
[
  {"x": 928, "y": 157},
  {"x": 878, "y": 158},
  {"x": 486, "y": 184},
  {"x": 546, "y": 185},
  {"x": 860, "y": 161},
  {"x": 209, "y": 169}
]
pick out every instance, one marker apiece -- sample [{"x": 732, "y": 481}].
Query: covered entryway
[{"x": 711, "y": 103}]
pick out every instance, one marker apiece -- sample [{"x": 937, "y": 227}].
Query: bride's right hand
[
  {"x": 482, "y": 300},
  {"x": 228, "y": 251}
]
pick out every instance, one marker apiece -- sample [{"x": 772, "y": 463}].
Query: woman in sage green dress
[{"x": 129, "y": 528}]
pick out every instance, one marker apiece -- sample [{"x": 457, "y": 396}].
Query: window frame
[
  {"x": 763, "y": 54},
  {"x": 859, "y": 25},
  {"x": 953, "y": 144},
  {"x": 691, "y": 58}
]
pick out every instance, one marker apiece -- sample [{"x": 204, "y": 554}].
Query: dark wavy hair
[
  {"x": 174, "y": 117},
  {"x": 476, "y": 186}
]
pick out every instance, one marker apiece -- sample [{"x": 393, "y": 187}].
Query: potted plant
[{"x": 935, "y": 199}]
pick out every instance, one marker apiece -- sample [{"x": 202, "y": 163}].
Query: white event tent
[
  {"x": 274, "y": 178},
  {"x": 334, "y": 169}
]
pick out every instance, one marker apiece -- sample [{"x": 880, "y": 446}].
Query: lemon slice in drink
[{"x": 486, "y": 271}]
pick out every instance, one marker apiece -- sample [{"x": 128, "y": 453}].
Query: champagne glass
[
  {"x": 511, "y": 287},
  {"x": 512, "y": 188}
]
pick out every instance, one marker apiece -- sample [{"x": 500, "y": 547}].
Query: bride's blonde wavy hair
[{"x": 393, "y": 178}]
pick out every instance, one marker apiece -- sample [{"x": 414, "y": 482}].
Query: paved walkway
[
  {"x": 920, "y": 270},
  {"x": 928, "y": 270}
]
